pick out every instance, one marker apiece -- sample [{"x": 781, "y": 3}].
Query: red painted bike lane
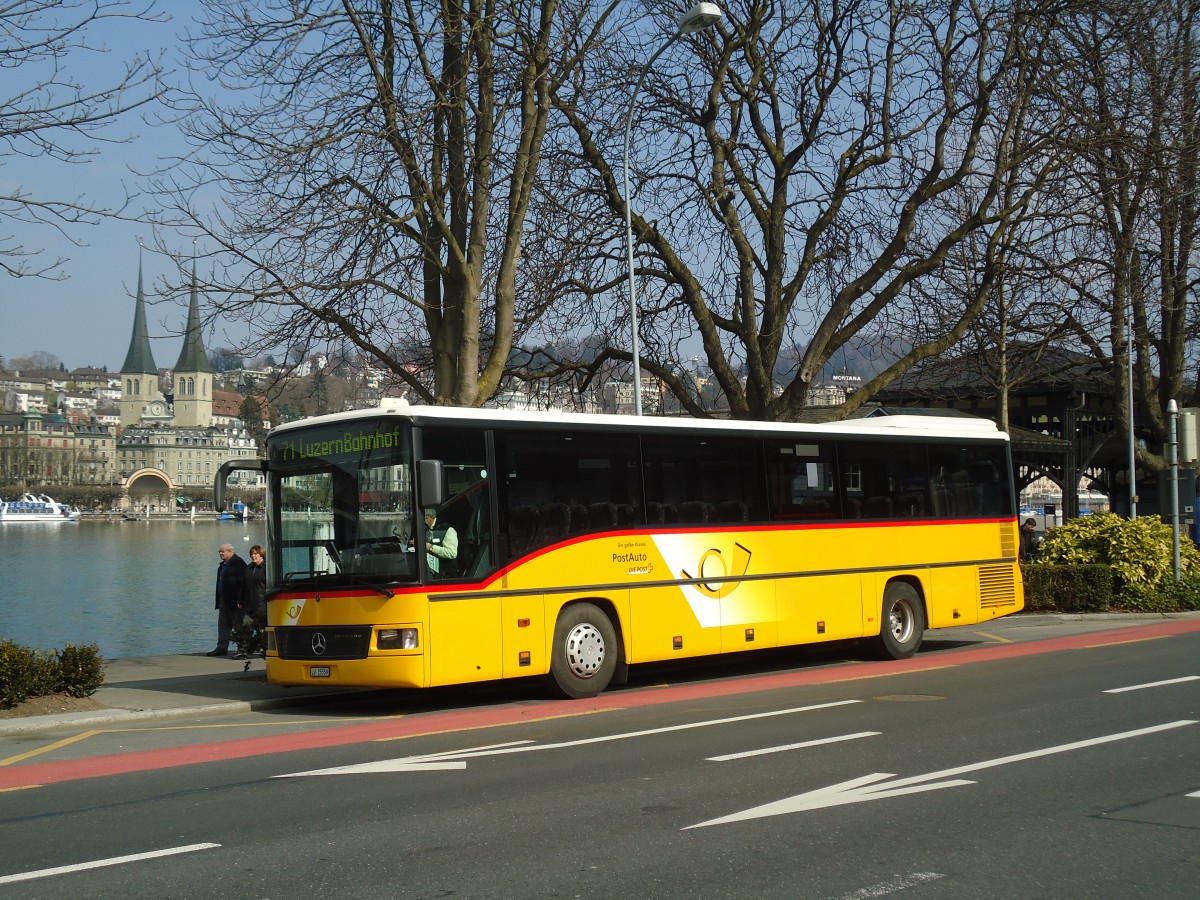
[{"x": 39, "y": 774}]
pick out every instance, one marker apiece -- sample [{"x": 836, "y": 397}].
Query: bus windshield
[{"x": 344, "y": 510}]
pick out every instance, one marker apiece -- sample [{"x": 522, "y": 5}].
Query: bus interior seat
[
  {"x": 522, "y": 529},
  {"x": 481, "y": 561},
  {"x": 943, "y": 505},
  {"x": 554, "y": 521},
  {"x": 695, "y": 512},
  {"x": 661, "y": 513},
  {"x": 603, "y": 516},
  {"x": 911, "y": 505},
  {"x": 626, "y": 515},
  {"x": 733, "y": 511},
  {"x": 879, "y": 507},
  {"x": 853, "y": 508},
  {"x": 579, "y": 519}
]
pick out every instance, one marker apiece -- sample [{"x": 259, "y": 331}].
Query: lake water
[{"x": 132, "y": 588}]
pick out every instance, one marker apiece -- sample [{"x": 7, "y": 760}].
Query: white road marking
[
  {"x": 442, "y": 760},
  {"x": 432, "y": 762},
  {"x": 1152, "y": 684},
  {"x": 101, "y": 863},
  {"x": 868, "y": 787},
  {"x": 899, "y": 883},
  {"x": 1197, "y": 794},
  {"x": 815, "y": 743}
]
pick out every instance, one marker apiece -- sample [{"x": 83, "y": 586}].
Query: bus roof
[{"x": 915, "y": 425}]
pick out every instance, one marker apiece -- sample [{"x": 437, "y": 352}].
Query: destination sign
[{"x": 334, "y": 443}]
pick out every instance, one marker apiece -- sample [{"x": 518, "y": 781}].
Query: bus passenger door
[{"x": 463, "y": 643}]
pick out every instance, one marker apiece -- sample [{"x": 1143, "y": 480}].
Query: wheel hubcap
[
  {"x": 585, "y": 650},
  {"x": 901, "y": 619}
]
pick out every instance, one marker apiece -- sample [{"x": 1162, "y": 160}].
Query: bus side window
[
  {"x": 801, "y": 483},
  {"x": 564, "y": 484},
  {"x": 885, "y": 479},
  {"x": 705, "y": 479},
  {"x": 968, "y": 480}
]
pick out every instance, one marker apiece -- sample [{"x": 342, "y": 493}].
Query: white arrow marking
[
  {"x": 442, "y": 760},
  {"x": 1197, "y": 794},
  {"x": 867, "y": 788},
  {"x": 1152, "y": 684},
  {"x": 434, "y": 762}
]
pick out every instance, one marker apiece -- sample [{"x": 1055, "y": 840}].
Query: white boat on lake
[{"x": 36, "y": 508}]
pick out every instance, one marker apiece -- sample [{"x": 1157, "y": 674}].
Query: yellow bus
[{"x": 414, "y": 546}]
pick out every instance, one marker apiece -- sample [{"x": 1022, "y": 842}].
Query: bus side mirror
[
  {"x": 258, "y": 465},
  {"x": 430, "y": 479}
]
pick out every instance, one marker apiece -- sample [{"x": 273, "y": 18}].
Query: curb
[
  {"x": 114, "y": 716},
  {"x": 1053, "y": 618}
]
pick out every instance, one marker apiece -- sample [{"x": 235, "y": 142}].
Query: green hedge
[
  {"x": 1103, "y": 562},
  {"x": 26, "y": 673},
  {"x": 1082, "y": 588},
  {"x": 1050, "y": 587}
]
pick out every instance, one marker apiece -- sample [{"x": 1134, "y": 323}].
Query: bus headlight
[{"x": 397, "y": 639}]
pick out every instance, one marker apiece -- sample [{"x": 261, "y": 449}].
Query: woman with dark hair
[{"x": 254, "y": 603}]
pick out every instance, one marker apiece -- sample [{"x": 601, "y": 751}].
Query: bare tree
[
  {"x": 377, "y": 162},
  {"x": 794, "y": 193},
  {"x": 45, "y": 111},
  {"x": 1131, "y": 83}
]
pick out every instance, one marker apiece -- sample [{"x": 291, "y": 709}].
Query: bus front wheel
[
  {"x": 585, "y": 651},
  {"x": 903, "y": 623}
]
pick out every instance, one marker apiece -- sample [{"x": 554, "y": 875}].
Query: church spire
[
  {"x": 192, "y": 357},
  {"x": 139, "y": 360}
]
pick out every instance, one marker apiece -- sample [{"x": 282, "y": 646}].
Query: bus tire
[
  {"x": 902, "y": 625},
  {"x": 584, "y": 656}
]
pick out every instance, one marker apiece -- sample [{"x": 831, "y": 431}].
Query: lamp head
[{"x": 699, "y": 17}]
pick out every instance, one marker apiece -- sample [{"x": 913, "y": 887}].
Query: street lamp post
[
  {"x": 1129, "y": 399},
  {"x": 699, "y": 17},
  {"x": 1173, "y": 462}
]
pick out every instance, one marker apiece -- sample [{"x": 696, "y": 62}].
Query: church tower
[
  {"x": 139, "y": 374},
  {"x": 193, "y": 373}
]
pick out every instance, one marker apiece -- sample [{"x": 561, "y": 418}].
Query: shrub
[
  {"x": 16, "y": 673},
  {"x": 43, "y": 675},
  {"x": 80, "y": 670},
  {"x": 1068, "y": 588},
  {"x": 1139, "y": 551},
  {"x": 26, "y": 673},
  {"x": 1180, "y": 595}
]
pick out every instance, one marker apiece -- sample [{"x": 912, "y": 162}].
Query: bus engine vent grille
[
  {"x": 996, "y": 587},
  {"x": 350, "y": 642},
  {"x": 1008, "y": 542}
]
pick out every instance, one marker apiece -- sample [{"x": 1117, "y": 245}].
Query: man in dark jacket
[{"x": 231, "y": 580}]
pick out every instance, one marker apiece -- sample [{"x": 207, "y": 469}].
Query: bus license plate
[{"x": 318, "y": 671}]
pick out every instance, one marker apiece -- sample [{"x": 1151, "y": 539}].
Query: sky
[{"x": 86, "y": 318}]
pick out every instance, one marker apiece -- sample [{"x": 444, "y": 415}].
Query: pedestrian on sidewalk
[
  {"x": 254, "y": 605},
  {"x": 231, "y": 585}
]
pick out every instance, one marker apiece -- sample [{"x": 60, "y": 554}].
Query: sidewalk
[{"x": 153, "y": 687}]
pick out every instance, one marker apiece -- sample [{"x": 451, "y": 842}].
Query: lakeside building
[
  {"x": 152, "y": 446},
  {"x": 169, "y": 443}
]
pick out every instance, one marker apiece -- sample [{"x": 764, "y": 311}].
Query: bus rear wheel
[
  {"x": 584, "y": 657},
  {"x": 903, "y": 622}
]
